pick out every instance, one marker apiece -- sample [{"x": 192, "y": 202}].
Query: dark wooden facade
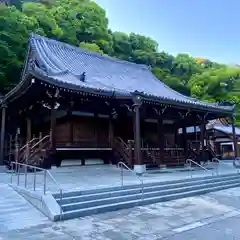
[{"x": 85, "y": 125}]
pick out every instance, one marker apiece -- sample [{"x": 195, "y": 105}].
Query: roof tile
[{"x": 65, "y": 63}]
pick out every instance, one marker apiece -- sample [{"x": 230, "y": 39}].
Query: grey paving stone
[{"x": 20, "y": 220}]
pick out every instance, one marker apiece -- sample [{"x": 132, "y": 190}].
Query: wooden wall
[{"x": 82, "y": 132}]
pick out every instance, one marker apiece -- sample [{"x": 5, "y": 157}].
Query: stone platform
[{"x": 72, "y": 178}]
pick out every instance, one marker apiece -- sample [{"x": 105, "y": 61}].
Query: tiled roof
[
  {"x": 64, "y": 64},
  {"x": 219, "y": 127},
  {"x": 226, "y": 128}
]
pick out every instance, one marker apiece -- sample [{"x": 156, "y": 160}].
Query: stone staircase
[{"x": 89, "y": 202}]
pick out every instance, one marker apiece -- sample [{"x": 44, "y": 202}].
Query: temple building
[
  {"x": 219, "y": 134},
  {"x": 75, "y": 104}
]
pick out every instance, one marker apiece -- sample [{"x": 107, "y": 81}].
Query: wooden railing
[
  {"x": 28, "y": 144},
  {"x": 153, "y": 156},
  {"x": 212, "y": 150},
  {"x": 122, "y": 142},
  {"x": 24, "y": 151},
  {"x": 39, "y": 151},
  {"x": 123, "y": 150},
  {"x": 41, "y": 142},
  {"x": 32, "y": 152}
]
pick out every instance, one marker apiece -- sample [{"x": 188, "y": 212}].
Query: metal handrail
[
  {"x": 122, "y": 164},
  {"x": 191, "y": 161},
  {"x": 46, "y": 172},
  {"x": 219, "y": 161},
  {"x": 235, "y": 165}
]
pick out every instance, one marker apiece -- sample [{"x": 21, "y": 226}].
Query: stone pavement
[
  {"x": 16, "y": 212},
  {"x": 227, "y": 229},
  {"x": 180, "y": 219}
]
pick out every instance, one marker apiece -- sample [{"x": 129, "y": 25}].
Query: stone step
[
  {"x": 136, "y": 189},
  {"x": 88, "y": 202},
  {"x": 141, "y": 201},
  {"x": 131, "y": 197},
  {"x": 150, "y": 184}
]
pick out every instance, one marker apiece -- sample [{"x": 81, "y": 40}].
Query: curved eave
[
  {"x": 23, "y": 86},
  {"x": 196, "y": 106},
  {"x": 117, "y": 94},
  {"x": 17, "y": 91}
]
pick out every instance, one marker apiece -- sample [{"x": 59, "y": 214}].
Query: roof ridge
[{"x": 94, "y": 54}]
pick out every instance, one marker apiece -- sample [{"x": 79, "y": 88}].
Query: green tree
[
  {"x": 83, "y": 23},
  {"x": 14, "y": 32},
  {"x": 92, "y": 47}
]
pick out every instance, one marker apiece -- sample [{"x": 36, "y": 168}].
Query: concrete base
[
  {"x": 140, "y": 169},
  {"x": 3, "y": 169},
  {"x": 44, "y": 203},
  {"x": 163, "y": 166}
]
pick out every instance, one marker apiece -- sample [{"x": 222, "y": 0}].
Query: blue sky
[{"x": 202, "y": 28}]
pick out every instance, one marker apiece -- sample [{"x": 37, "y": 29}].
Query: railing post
[
  {"x": 45, "y": 181},
  {"x": 142, "y": 189},
  {"x": 16, "y": 152},
  {"x": 25, "y": 176},
  {"x": 122, "y": 175},
  {"x": 61, "y": 196},
  {"x": 17, "y": 166},
  {"x": 40, "y": 137},
  {"x": 191, "y": 168},
  {"x": 10, "y": 148},
  {"x": 11, "y": 172},
  {"x": 27, "y": 153},
  {"x": 34, "y": 180}
]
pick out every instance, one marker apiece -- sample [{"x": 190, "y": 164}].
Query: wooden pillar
[
  {"x": 185, "y": 141},
  {"x": 176, "y": 136},
  {"x": 195, "y": 132},
  {"x": 16, "y": 140},
  {"x": 137, "y": 137},
  {"x": 29, "y": 129},
  {"x": 139, "y": 167},
  {"x": 53, "y": 131},
  {"x": 29, "y": 137},
  {"x": 161, "y": 140},
  {"x": 234, "y": 137},
  {"x": 3, "y": 128},
  {"x": 110, "y": 131},
  {"x": 202, "y": 137}
]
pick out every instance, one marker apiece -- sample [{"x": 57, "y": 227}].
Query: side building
[{"x": 74, "y": 104}]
